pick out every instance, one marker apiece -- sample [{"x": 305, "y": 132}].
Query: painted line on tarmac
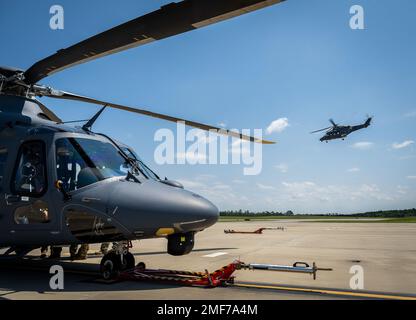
[
  {"x": 215, "y": 254},
  {"x": 7, "y": 293},
  {"x": 329, "y": 292},
  {"x": 46, "y": 267}
]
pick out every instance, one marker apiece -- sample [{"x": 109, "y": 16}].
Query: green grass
[
  {"x": 327, "y": 219},
  {"x": 256, "y": 218},
  {"x": 382, "y": 220},
  {"x": 268, "y": 218}
]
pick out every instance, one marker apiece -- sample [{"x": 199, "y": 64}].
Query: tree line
[{"x": 371, "y": 214}]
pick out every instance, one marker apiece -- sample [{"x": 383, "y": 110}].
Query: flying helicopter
[
  {"x": 61, "y": 185},
  {"x": 341, "y": 132}
]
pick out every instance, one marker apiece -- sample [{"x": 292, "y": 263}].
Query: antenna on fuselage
[{"x": 89, "y": 124}]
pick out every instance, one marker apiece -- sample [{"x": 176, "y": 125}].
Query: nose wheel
[{"x": 117, "y": 260}]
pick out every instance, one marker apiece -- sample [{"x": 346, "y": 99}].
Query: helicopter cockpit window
[
  {"x": 3, "y": 159},
  {"x": 81, "y": 162},
  {"x": 131, "y": 154},
  {"x": 30, "y": 172},
  {"x": 36, "y": 212}
]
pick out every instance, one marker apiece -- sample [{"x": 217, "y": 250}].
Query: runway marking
[
  {"x": 7, "y": 293},
  {"x": 216, "y": 254},
  {"x": 324, "y": 291}
]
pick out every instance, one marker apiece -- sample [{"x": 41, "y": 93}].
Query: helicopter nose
[
  {"x": 153, "y": 205},
  {"x": 198, "y": 213}
]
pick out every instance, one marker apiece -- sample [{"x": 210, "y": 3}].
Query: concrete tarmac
[{"x": 385, "y": 251}]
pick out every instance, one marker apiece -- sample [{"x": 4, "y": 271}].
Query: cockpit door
[{"x": 27, "y": 199}]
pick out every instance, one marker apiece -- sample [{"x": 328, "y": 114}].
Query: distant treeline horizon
[{"x": 373, "y": 214}]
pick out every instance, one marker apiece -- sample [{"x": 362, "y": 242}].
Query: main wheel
[
  {"x": 110, "y": 266},
  {"x": 141, "y": 266},
  {"x": 128, "y": 261}
]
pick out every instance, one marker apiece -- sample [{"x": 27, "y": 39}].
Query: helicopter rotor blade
[
  {"x": 321, "y": 130},
  {"x": 171, "y": 19},
  {"x": 52, "y": 116},
  {"x": 70, "y": 96},
  {"x": 333, "y": 122}
]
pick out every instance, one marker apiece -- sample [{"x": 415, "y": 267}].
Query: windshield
[
  {"x": 133, "y": 155},
  {"x": 81, "y": 162}
]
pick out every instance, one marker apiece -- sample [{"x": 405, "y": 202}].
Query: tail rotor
[{"x": 368, "y": 121}]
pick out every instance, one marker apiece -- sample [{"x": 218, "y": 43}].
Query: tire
[
  {"x": 128, "y": 261},
  {"x": 141, "y": 266},
  {"x": 110, "y": 266}
]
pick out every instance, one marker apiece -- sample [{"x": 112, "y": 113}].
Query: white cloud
[
  {"x": 205, "y": 177},
  {"x": 192, "y": 156},
  {"x": 403, "y": 144},
  {"x": 240, "y": 147},
  {"x": 410, "y": 114},
  {"x": 407, "y": 157},
  {"x": 411, "y": 177},
  {"x": 402, "y": 190},
  {"x": 264, "y": 187},
  {"x": 364, "y": 145},
  {"x": 372, "y": 191},
  {"x": 204, "y": 137},
  {"x": 278, "y": 125},
  {"x": 311, "y": 197},
  {"x": 306, "y": 191},
  {"x": 311, "y": 193},
  {"x": 369, "y": 188},
  {"x": 282, "y": 167},
  {"x": 219, "y": 193},
  {"x": 354, "y": 170},
  {"x": 222, "y": 124},
  {"x": 297, "y": 184},
  {"x": 191, "y": 184}
]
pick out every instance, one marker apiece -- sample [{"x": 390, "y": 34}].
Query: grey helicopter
[
  {"x": 337, "y": 131},
  {"x": 63, "y": 185}
]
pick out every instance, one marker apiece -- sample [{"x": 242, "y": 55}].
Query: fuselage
[
  {"x": 340, "y": 132},
  {"x": 108, "y": 200}
]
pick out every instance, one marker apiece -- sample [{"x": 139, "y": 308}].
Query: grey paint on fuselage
[
  {"x": 136, "y": 209},
  {"x": 340, "y": 132}
]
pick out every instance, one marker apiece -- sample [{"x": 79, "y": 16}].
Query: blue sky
[{"x": 297, "y": 60}]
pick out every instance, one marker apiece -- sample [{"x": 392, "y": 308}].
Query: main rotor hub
[
  {"x": 12, "y": 82},
  {"x": 8, "y": 72}
]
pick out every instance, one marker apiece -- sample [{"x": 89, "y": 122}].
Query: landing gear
[
  {"x": 117, "y": 260},
  {"x": 20, "y": 251},
  {"x": 110, "y": 266}
]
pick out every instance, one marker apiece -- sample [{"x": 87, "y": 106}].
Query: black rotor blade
[
  {"x": 169, "y": 20},
  {"x": 70, "y": 96},
  {"x": 333, "y": 122},
  {"x": 321, "y": 130},
  {"x": 52, "y": 116}
]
